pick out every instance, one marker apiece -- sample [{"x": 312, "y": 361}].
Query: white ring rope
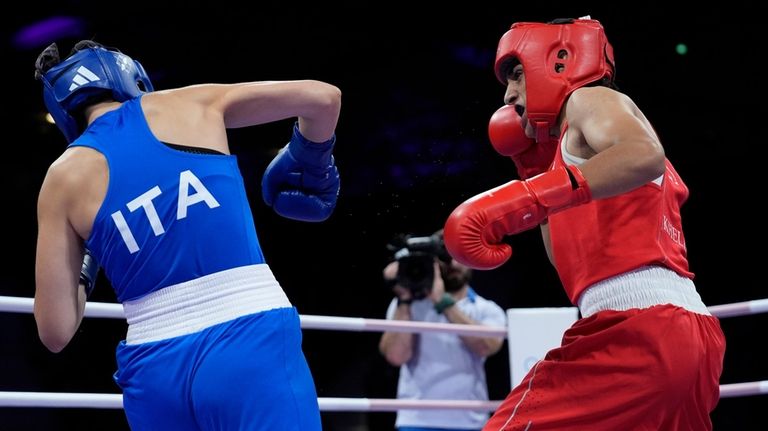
[
  {"x": 61, "y": 399},
  {"x": 115, "y": 311},
  {"x": 740, "y": 308},
  {"x": 13, "y": 304},
  {"x": 115, "y": 401},
  {"x": 379, "y": 325}
]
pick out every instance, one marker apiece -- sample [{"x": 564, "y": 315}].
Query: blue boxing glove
[{"x": 302, "y": 182}]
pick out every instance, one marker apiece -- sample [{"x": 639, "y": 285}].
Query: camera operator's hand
[
  {"x": 438, "y": 285},
  {"x": 389, "y": 273},
  {"x": 442, "y": 300}
]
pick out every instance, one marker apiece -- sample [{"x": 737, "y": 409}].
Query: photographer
[{"x": 429, "y": 286}]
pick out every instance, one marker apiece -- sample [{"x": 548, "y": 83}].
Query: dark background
[{"x": 418, "y": 90}]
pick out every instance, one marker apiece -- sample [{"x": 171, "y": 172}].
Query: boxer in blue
[{"x": 148, "y": 191}]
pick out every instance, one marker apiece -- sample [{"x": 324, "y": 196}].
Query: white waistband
[
  {"x": 642, "y": 288},
  {"x": 194, "y": 305}
]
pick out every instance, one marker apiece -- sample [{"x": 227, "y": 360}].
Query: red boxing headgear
[{"x": 557, "y": 58}]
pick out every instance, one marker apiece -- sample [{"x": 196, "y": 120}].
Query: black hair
[
  {"x": 604, "y": 82},
  {"x": 84, "y": 44},
  {"x": 46, "y": 60}
]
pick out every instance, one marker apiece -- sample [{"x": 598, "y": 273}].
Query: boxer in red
[{"x": 645, "y": 354}]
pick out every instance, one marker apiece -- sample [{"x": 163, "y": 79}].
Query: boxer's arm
[
  {"x": 207, "y": 110},
  {"x": 627, "y": 151},
  {"x": 316, "y": 104},
  {"x": 59, "y": 301},
  {"x": 302, "y": 181},
  {"x": 547, "y": 242},
  {"x": 475, "y": 230}
]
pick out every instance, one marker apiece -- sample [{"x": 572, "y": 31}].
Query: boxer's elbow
[
  {"x": 651, "y": 163},
  {"x": 54, "y": 339},
  {"x": 55, "y": 334}
]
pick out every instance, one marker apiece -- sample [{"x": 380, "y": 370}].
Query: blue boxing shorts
[{"x": 247, "y": 373}]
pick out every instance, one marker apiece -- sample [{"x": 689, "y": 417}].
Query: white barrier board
[{"x": 532, "y": 332}]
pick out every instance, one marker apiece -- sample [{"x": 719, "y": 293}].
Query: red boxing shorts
[{"x": 656, "y": 368}]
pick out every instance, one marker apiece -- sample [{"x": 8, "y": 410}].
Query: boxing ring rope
[
  {"x": 740, "y": 308},
  {"x": 115, "y": 311},
  {"x": 13, "y": 304},
  {"x": 115, "y": 401}
]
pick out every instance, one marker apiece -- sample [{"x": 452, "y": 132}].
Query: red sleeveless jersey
[{"x": 607, "y": 237}]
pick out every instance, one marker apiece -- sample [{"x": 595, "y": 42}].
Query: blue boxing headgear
[{"x": 91, "y": 71}]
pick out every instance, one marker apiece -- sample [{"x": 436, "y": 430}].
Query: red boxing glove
[
  {"x": 475, "y": 229},
  {"x": 508, "y": 138}
]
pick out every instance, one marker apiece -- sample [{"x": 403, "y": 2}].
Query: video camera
[{"x": 416, "y": 257}]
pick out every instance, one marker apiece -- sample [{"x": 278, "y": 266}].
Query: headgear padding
[
  {"x": 557, "y": 58},
  {"x": 90, "y": 71}
]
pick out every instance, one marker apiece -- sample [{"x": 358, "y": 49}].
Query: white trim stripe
[
  {"x": 83, "y": 76},
  {"x": 88, "y": 74},
  {"x": 194, "y": 305},
  {"x": 641, "y": 288}
]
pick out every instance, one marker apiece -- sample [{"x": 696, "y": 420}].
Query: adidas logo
[
  {"x": 122, "y": 63},
  {"x": 83, "y": 76}
]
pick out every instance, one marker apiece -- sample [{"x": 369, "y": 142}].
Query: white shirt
[{"x": 444, "y": 368}]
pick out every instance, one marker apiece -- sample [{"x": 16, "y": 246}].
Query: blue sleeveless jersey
[{"x": 169, "y": 216}]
